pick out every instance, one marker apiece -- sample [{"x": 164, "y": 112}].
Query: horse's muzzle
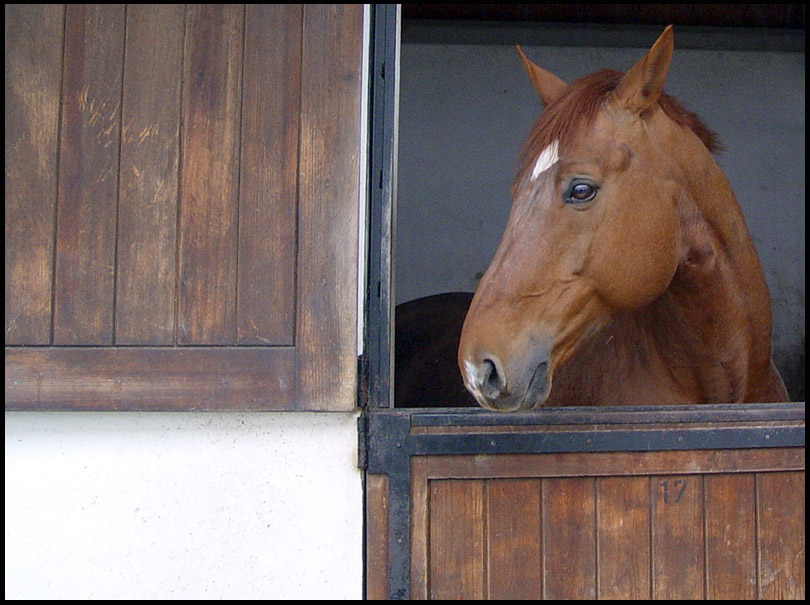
[{"x": 498, "y": 390}]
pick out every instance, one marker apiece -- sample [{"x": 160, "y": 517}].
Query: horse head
[{"x": 597, "y": 226}]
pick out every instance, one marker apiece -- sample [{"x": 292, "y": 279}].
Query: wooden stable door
[
  {"x": 549, "y": 532},
  {"x": 631, "y": 504},
  {"x": 182, "y": 206}
]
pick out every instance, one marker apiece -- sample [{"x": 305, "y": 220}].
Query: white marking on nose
[
  {"x": 547, "y": 158},
  {"x": 471, "y": 376}
]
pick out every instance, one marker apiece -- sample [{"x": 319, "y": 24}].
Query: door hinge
[{"x": 362, "y": 442}]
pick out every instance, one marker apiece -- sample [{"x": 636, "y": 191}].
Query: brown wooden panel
[
  {"x": 377, "y": 556},
  {"x": 514, "y": 539},
  {"x": 622, "y": 525},
  {"x": 456, "y": 548},
  {"x": 569, "y": 539},
  {"x": 616, "y": 463},
  {"x": 269, "y": 169},
  {"x": 147, "y": 208},
  {"x": 419, "y": 528},
  {"x": 623, "y": 534},
  {"x": 329, "y": 190},
  {"x": 210, "y": 174},
  {"x": 88, "y": 175},
  {"x": 781, "y": 535},
  {"x": 677, "y": 537},
  {"x": 731, "y": 565},
  {"x": 34, "y": 41},
  {"x": 150, "y": 378}
]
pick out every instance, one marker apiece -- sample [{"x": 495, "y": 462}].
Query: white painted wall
[{"x": 182, "y": 506}]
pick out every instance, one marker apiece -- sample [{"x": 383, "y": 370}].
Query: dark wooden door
[
  {"x": 182, "y": 202},
  {"x": 689, "y": 503}
]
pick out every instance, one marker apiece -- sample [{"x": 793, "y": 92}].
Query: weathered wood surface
[
  {"x": 684, "y": 524},
  {"x": 182, "y": 176}
]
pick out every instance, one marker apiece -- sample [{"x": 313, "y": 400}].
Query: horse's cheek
[{"x": 634, "y": 258}]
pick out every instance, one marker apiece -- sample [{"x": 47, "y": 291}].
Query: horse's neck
[
  {"x": 707, "y": 338},
  {"x": 711, "y": 330}
]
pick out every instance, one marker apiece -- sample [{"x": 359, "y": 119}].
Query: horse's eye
[{"x": 580, "y": 192}]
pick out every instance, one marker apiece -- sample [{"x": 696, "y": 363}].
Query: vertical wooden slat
[
  {"x": 271, "y": 95},
  {"x": 88, "y": 175},
  {"x": 147, "y": 211},
  {"x": 781, "y": 535},
  {"x": 329, "y": 198},
  {"x": 34, "y": 41},
  {"x": 377, "y": 556},
  {"x": 623, "y": 533},
  {"x": 514, "y": 539},
  {"x": 420, "y": 538},
  {"x": 731, "y": 567},
  {"x": 677, "y": 537},
  {"x": 457, "y": 540},
  {"x": 209, "y": 174},
  {"x": 569, "y": 538}
]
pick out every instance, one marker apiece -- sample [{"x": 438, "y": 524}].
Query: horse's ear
[
  {"x": 640, "y": 87},
  {"x": 547, "y": 85}
]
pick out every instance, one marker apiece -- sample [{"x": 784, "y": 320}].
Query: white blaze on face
[{"x": 547, "y": 158}]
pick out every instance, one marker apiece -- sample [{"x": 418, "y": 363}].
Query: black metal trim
[
  {"x": 381, "y": 198},
  {"x": 733, "y": 412}
]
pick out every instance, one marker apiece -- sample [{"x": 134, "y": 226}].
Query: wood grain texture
[
  {"x": 419, "y": 528},
  {"x": 377, "y": 555},
  {"x": 208, "y": 223},
  {"x": 329, "y": 194},
  {"x": 677, "y": 537},
  {"x": 514, "y": 539},
  {"x": 34, "y": 41},
  {"x": 153, "y": 201},
  {"x": 88, "y": 175},
  {"x": 271, "y": 99},
  {"x": 456, "y": 552},
  {"x": 703, "y": 528},
  {"x": 149, "y": 177},
  {"x": 623, "y": 512},
  {"x": 569, "y": 538},
  {"x": 150, "y": 378},
  {"x": 731, "y": 565},
  {"x": 781, "y": 513}
]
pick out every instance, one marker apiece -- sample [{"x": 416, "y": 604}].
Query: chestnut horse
[{"x": 626, "y": 274}]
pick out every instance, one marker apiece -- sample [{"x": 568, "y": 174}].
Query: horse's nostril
[{"x": 492, "y": 383}]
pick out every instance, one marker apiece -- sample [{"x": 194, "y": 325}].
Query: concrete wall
[
  {"x": 182, "y": 506},
  {"x": 466, "y": 109}
]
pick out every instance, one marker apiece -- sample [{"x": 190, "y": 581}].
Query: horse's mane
[{"x": 579, "y": 104}]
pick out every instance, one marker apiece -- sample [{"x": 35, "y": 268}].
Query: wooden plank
[
  {"x": 677, "y": 537},
  {"x": 34, "y": 41},
  {"x": 88, "y": 175},
  {"x": 623, "y": 534},
  {"x": 731, "y": 565},
  {"x": 569, "y": 538},
  {"x": 377, "y": 555},
  {"x": 514, "y": 539},
  {"x": 271, "y": 94},
  {"x": 150, "y": 378},
  {"x": 457, "y": 548},
  {"x": 616, "y": 463},
  {"x": 329, "y": 190},
  {"x": 147, "y": 208},
  {"x": 210, "y": 174},
  {"x": 419, "y": 529},
  {"x": 780, "y": 511}
]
